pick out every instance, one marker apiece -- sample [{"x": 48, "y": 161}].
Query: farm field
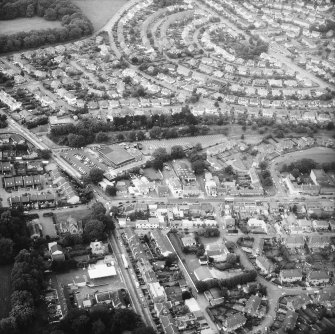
[
  {"x": 5, "y": 290},
  {"x": 99, "y": 11},
  {"x": 27, "y": 24},
  {"x": 318, "y": 154}
]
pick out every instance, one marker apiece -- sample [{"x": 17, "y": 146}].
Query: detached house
[{"x": 233, "y": 322}]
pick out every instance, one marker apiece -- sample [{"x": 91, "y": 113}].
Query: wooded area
[{"x": 75, "y": 24}]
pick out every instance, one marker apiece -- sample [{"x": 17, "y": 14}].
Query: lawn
[
  {"x": 48, "y": 227},
  {"x": 27, "y": 24},
  {"x": 78, "y": 214},
  {"x": 5, "y": 290},
  {"x": 99, "y": 11},
  {"x": 318, "y": 154}
]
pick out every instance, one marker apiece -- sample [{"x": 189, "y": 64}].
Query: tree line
[
  {"x": 304, "y": 166},
  {"x": 13, "y": 234},
  {"x": 74, "y": 23},
  {"x": 160, "y": 126},
  {"x": 101, "y": 319},
  {"x": 27, "y": 284}
]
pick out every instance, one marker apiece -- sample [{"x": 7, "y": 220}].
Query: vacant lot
[
  {"x": 99, "y": 11},
  {"x": 5, "y": 290},
  {"x": 26, "y": 24}
]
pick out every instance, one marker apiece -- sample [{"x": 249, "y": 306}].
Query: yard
[
  {"x": 27, "y": 24},
  {"x": 99, "y": 11},
  {"x": 76, "y": 213},
  {"x": 5, "y": 290},
  {"x": 48, "y": 227}
]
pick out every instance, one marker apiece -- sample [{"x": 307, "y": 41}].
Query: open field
[
  {"x": 99, "y": 11},
  {"x": 319, "y": 154},
  {"x": 5, "y": 290},
  {"x": 26, "y": 24}
]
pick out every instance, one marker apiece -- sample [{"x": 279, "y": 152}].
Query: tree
[
  {"x": 171, "y": 259},
  {"x": 124, "y": 320},
  {"x": 201, "y": 286},
  {"x": 98, "y": 209},
  {"x": 177, "y": 152},
  {"x": 98, "y": 327},
  {"x": 132, "y": 136},
  {"x": 110, "y": 190},
  {"x": 96, "y": 175},
  {"x": 186, "y": 295},
  {"x": 101, "y": 137},
  {"x": 94, "y": 230},
  {"x": 140, "y": 135},
  {"x": 263, "y": 165},
  {"x": 8, "y": 325},
  {"x": 198, "y": 166},
  {"x": 45, "y": 154},
  {"x": 155, "y": 132},
  {"x": 6, "y": 250},
  {"x": 144, "y": 330}
]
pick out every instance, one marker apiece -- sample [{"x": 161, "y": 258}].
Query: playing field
[
  {"x": 5, "y": 290},
  {"x": 26, "y": 24},
  {"x": 99, "y": 11},
  {"x": 318, "y": 154}
]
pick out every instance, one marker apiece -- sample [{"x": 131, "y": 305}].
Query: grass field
[
  {"x": 318, "y": 154},
  {"x": 5, "y": 290},
  {"x": 26, "y": 24},
  {"x": 99, "y": 11}
]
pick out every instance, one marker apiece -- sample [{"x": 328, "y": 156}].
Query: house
[
  {"x": 325, "y": 182},
  {"x": 252, "y": 305},
  {"x": 56, "y": 251},
  {"x": 264, "y": 264},
  {"x": 157, "y": 292},
  {"x": 233, "y": 322},
  {"x": 218, "y": 252},
  {"x": 257, "y": 248},
  {"x": 188, "y": 241},
  {"x": 298, "y": 302},
  {"x": 254, "y": 223},
  {"x": 316, "y": 277},
  {"x": 290, "y": 320},
  {"x": 320, "y": 224},
  {"x": 290, "y": 275},
  {"x": 318, "y": 241},
  {"x": 98, "y": 248},
  {"x": 296, "y": 241}
]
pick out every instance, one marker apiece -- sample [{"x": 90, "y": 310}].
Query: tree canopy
[{"x": 74, "y": 23}]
